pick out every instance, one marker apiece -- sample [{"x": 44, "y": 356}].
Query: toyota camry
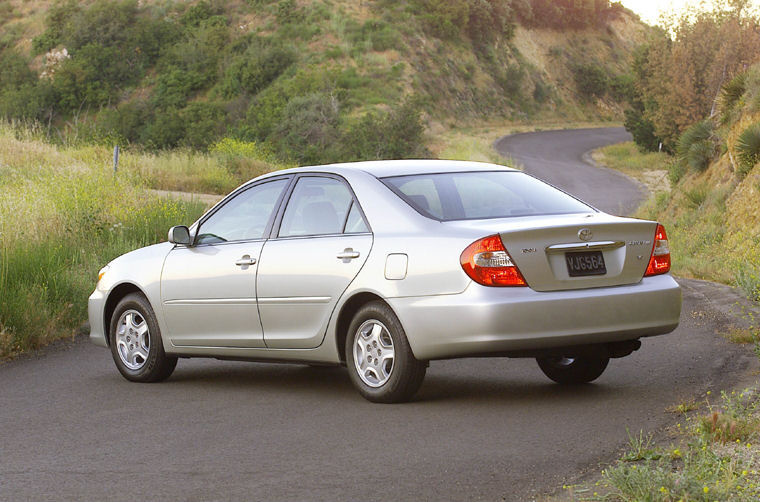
[{"x": 384, "y": 266}]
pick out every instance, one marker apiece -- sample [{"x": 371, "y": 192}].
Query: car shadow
[{"x": 332, "y": 381}]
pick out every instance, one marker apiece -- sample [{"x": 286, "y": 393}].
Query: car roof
[{"x": 385, "y": 168}]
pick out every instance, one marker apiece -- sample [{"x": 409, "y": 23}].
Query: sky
[{"x": 650, "y": 10}]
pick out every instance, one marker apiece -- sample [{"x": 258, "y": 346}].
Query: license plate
[{"x": 585, "y": 263}]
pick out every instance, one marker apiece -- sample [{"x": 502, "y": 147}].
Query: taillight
[
  {"x": 659, "y": 262},
  {"x": 487, "y": 262}
]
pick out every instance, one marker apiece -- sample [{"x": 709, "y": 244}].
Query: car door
[
  {"x": 319, "y": 244},
  {"x": 208, "y": 289}
]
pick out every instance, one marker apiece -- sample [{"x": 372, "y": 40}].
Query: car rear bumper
[
  {"x": 484, "y": 320},
  {"x": 95, "y": 307}
]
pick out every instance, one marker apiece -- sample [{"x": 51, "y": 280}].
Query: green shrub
[
  {"x": 255, "y": 69},
  {"x": 14, "y": 70},
  {"x": 511, "y": 80},
  {"x": 309, "y": 128},
  {"x": 623, "y": 87},
  {"x": 698, "y": 145},
  {"x": 204, "y": 124},
  {"x": 541, "y": 91},
  {"x": 175, "y": 86},
  {"x": 748, "y": 148},
  {"x": 196, "y": 14},
  {"x": 165, "y": 131},
  {"x": 379, "y": 35},
  {"x": 697, "y": 195},
  {"x": 591, "y": 80},
  {"x": 396, "y": 134},
  {"x": 676, "y": 170},
  {"x": 443, "y": 19},
  {"x": 488, "y": 20},
  {"x": 126, "y": 123},
  {"x": 641, "y": 128},
  {"x": 288, "y": 12}
]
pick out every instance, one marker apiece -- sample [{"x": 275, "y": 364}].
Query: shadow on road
[{"x": 332, "y": 383}]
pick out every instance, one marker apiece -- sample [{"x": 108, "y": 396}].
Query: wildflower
[
  {"x": 749, "y": 445},
  {"x": 706, "y": 489},
  {"x": 744, "y": 473},
  {"x": 709, "y": 392}
]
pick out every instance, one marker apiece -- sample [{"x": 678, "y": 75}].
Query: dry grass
[{"x": 63, "y": 215}]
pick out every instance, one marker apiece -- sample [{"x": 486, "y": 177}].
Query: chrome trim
[
  {"x": 584, "y": 246},
  {"x": 290, "y": 300},
  {"x": 213, "y": 301}
]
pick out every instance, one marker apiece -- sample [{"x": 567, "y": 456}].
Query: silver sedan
[{"x": 384, "y": 266}]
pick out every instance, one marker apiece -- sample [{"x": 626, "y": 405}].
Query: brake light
[
  {"x": 487, "y": 262},
  {"x": 659, "y": 262}
]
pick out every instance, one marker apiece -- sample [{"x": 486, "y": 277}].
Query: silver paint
[{"x": 286, "y": 305}]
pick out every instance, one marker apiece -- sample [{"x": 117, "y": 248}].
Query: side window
[
  {"x": 355, "y": 224},
  {"x": 318, "y": 206},
  {"x": 245, "y": 217}
]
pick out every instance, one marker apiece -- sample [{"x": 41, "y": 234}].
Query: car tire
[
  {"x": 135, "y": 341},
  {"x": 378, "y": 356},
  {"x": 573, "y": 370}
]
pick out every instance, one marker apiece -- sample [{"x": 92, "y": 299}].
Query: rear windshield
[{"x": 480, "y": 195}]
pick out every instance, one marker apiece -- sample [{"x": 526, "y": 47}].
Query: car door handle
[
  {"x": 348, "y": 254},
  {"x": 245, "y": 261}
]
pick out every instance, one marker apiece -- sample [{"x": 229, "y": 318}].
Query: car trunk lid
[{"x": 575, "y": 251}]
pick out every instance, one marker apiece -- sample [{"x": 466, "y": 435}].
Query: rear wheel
[
  {"x": 573, "y": 370},
  {"x": 379, "y": 360},
  {"x": 136, "y": 344}
]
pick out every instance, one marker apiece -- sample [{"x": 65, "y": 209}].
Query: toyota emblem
[{"x": 585, "y": 234}]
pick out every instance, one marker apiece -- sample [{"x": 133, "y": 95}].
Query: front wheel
[
  {"x": 379, "y": 360},
  {"x": 573, "y": 370},
  {"x": 135, "y": 340}
]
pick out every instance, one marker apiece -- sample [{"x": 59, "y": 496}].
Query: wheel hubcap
[
  {"x": 132, "y": 339},
  {"x": 563, "y": 362},
  {"x": 373, "y": 353}
]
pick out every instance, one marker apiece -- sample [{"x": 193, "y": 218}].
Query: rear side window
[
  {"x": 482, "y": 195},
  {"x": 318, "y": 206}
]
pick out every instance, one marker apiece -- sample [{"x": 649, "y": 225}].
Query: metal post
[{"x": 115, "y": 159}]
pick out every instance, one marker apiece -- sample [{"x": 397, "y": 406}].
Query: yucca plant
[
  {"x": 730, "y": 95},
  {"x": 697, "y": 145},
  {"x": 748, "y": 149}
]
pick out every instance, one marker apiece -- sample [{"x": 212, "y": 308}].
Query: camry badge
[{"x": 585, "y": 234}]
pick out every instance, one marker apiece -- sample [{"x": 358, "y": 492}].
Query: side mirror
[{"x": 179, "y": 235}]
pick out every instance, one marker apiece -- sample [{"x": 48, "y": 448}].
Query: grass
[
  {"x": 710, "y": 217},
  {"x": 712, "y": 457},
  {"x": 63, "y": 215},
  {"x": 650, "y": 168}
]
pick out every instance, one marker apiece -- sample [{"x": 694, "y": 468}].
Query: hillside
[{"x": 311, "y": 81}]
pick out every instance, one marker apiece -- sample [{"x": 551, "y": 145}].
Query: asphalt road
[
  {"x": 490, "y": 429},
  {"x": 559, "y": 158}
]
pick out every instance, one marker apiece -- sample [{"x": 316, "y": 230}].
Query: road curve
[
  {"x": 487, "y": 429},
  {"x": 560, "y": 158}
]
